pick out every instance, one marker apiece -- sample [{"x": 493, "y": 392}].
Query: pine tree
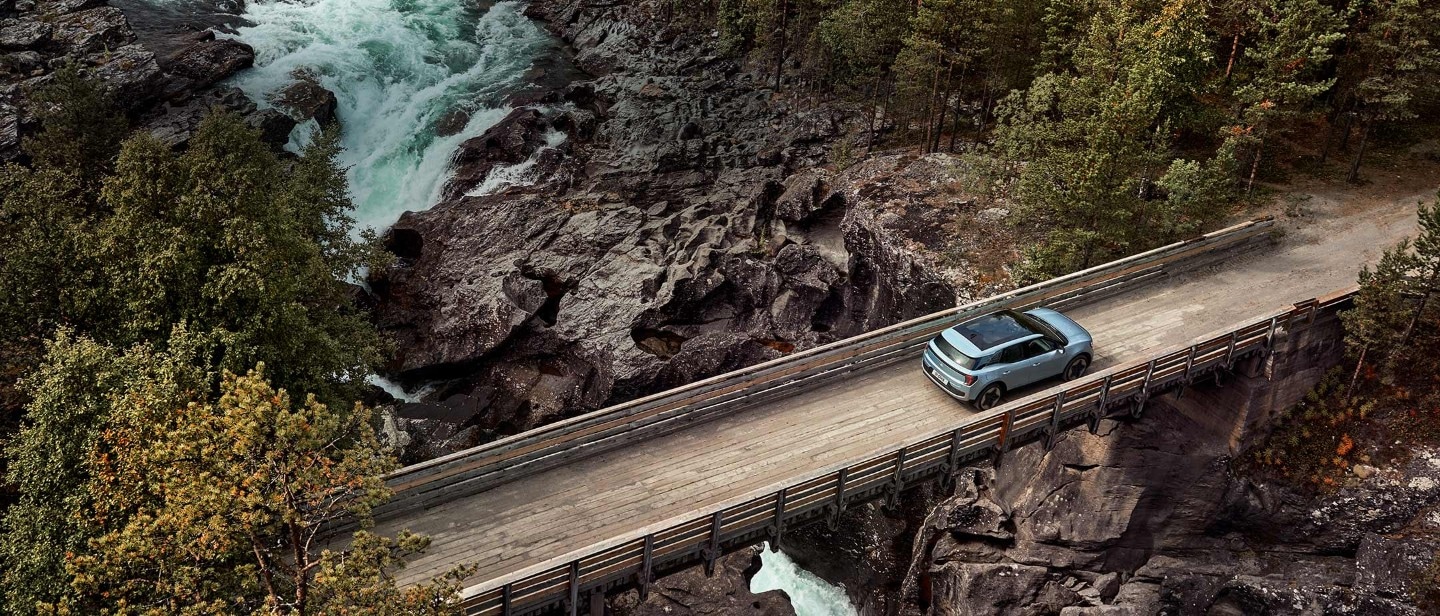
[{"x": 1395, "y": 326}]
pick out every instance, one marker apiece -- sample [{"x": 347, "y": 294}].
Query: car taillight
[{"x": 969, "y": 379}]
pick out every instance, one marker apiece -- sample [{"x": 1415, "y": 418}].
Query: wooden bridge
[{"x": 616, "y": 497}]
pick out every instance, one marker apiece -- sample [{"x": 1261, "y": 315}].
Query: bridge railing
[
  {"x": 480, "y": 468},
  {"x": 637, "y": 560}
]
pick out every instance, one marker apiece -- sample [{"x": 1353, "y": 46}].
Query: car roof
[{"x": 994, "y": 330}]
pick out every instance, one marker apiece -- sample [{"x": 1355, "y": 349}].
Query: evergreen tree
[
  {"x": 218, "y": 508},
  {"x": 1395, "y": 326},
  {"x": 1392, "y": 61},
  {"x": 1283, "y": 68},
  {"x": 1090, "y": 147}
]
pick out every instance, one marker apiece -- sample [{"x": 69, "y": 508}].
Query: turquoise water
[
  {"x": 398, "y": 68},
  {"x": 810, "y": 595}
]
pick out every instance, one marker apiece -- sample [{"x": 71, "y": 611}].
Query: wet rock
[
  {"x": 68, "y": 6},
  {"x": 452, "y": 122},
  {"x": 305, "y": 99},
  {"x": 692, "y": 593},
  {"x": 274, "y": 126},
  {"x": 508, "y": 142},
  {"x": 209, "y": 60}
]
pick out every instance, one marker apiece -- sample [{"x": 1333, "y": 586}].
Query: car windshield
[
  {"x": 960, "y": 359},
  {"x": 993, "y": 330},
  {"x": 1041, "y": 327}
]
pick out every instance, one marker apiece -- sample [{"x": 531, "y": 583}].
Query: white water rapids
[
  {"x": 397, "y": 68},
  {"x": 810, "y": 595}
]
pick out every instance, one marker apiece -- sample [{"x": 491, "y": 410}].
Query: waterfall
[{"x": 810, "y": 595}]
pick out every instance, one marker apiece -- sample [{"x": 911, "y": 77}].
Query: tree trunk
[
  {"x": 1255, "y": 166},
  {"x": 930, "y": 103},
  {"x": 1355, "y": 377},
  {"x": 780, "y": 44},
  {"x": 1349, "y": 124},
  {"x": 1234, "y": 49},
  {"x": 874, "y": 111},
  {"x": 1360, "y": 154},
  {"x": 955, "y": 117},
  {"x": 942, "y": 108}
]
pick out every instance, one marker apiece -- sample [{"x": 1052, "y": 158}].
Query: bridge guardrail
[
  {"x": 480, "y": 468},
  {"x": 637, "y": 560}
]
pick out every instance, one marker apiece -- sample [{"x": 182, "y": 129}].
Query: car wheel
[
  {"x": 989, "y": 397},
  {"x": 1076, "y": 368}
]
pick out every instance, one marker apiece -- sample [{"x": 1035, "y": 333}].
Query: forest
[
  {"x": 181, "y": 352},
  {"x": 1119, "y": 125}
]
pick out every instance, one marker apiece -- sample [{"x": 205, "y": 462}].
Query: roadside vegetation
[
  {"x": 181, "y": 362},
  {"x": 1384, "y": 403},
  {"x": 1113, "y": 125}
]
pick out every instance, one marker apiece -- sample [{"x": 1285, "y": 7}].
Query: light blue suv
[{"x": 978, "y": 361}]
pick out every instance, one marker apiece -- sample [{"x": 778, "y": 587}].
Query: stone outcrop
[
  {"x": 688, "y": 225},
  {"x": 1150, "y": 517},
  {"x": 692, "y": 593},
  {"x": 305, "y": 99},
  {"x": 37, "y": 38}
]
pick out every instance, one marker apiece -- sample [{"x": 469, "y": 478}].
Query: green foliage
[
  {"x": 151, "y": 271},
  {"x": 1090, "y": 146},
  {"x": 222, "y": 237},
  {"x": 154, "y": 501},
  {"x": 82, "y": 128},
  {"x": 1396, "y": 320},
  {"x": 73, "y": 395}
]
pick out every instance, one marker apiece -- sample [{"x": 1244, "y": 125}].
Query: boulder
[
  {"x": 209, "y": 60},
  {"x": 92, "y": 30},
  {"x": 508, "y": 142},
  {"x": 24, "y": 34},
  {"x": 274, "y": 126},
  {"x": 68, "y": 6},
  {"x": 692, "y": 593},
  {"x": 133, "y": 75},
  {"x": 305, "y": 99}
]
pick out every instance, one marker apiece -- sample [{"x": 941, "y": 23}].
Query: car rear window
[{"x": 964, "y": 361}]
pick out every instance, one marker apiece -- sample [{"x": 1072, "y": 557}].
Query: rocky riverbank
[
  {"x": 167, "y": 94},
  {"x": 679, "y": 218}
]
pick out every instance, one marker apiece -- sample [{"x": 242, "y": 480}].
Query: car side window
[
  {"x": 1038, "y": 347},
  {"x": 1010, "y": 354}
]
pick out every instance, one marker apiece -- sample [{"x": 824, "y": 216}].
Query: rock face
[
  {"x": 685, "y": 227},
  {"x": 1148, "y": 518},
  {"x": 38, "y": 37},
  {"x": 691, "y": 592},
  {"x": 305, "y": 99}
]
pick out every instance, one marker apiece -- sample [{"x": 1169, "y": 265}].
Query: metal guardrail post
[
  {"x": 712, "y": 553},
  {"x": 647, "y": 566},
  {"x": 777, "y": 530},
  {"x": 505, "y": 594},
  {"x": 574, "y": 587},
  {"x": 1230, "y": 350},
  {"x": 839, "y": 505},
  {"x": 896, "y": 483},
  {"x": 1100, "y": 403},
  {"x": 1139, "y": 408},
  {"x": 1054, "y": 428},
  {"x": 952, "y": 466},
  {"x": 1187, "y": 378}
]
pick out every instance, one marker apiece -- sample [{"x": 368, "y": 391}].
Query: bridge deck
[{"x": 549, "y": 518}]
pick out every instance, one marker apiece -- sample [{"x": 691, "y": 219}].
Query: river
[{"x": 400, "y": 70}]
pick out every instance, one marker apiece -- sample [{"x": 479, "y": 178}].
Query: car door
[{"x": 1040, "y": 359}]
